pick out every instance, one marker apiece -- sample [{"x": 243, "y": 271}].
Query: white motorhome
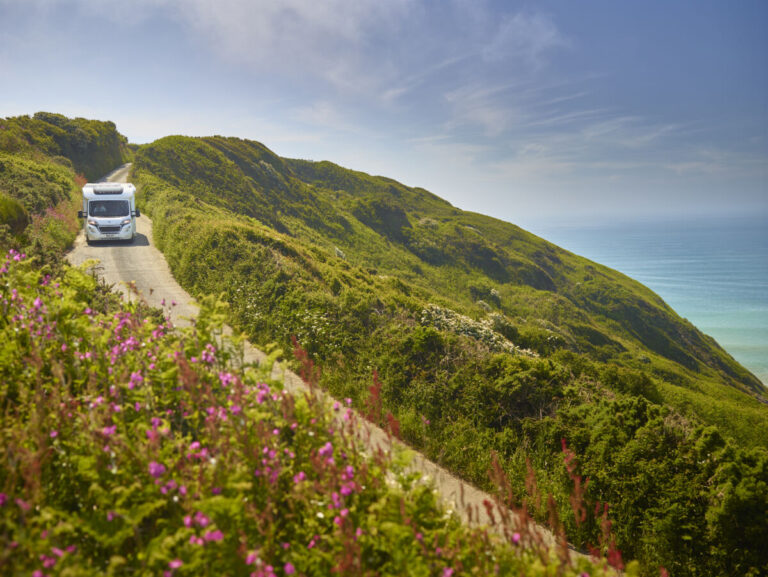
[{"x": 109, "y": 210}]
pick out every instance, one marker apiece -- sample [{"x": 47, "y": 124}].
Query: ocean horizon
[{"x": 711, "y": 271}]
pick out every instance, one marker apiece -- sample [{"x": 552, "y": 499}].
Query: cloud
[
  {"x": 526, "y": 36},
  {"x": 326, "y": 115},
  {"x": 333, "y": 40}
]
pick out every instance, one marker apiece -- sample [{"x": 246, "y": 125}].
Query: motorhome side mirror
[
  {"x": 137, "y": 213},
  {"x": 80, "y": 214}
]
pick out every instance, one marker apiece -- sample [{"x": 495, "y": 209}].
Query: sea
[{"x": 714, "y": 272}]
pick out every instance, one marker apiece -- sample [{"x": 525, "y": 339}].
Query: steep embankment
[{"x": 486, "y": 339}]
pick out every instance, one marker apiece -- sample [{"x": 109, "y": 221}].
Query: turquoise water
[{"x": 714, "y": 273}]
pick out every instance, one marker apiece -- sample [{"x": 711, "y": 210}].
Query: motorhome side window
[{"x": 108, "y": 208}]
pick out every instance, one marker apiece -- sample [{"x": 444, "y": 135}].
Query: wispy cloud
[{"x": 527, "y": 35}]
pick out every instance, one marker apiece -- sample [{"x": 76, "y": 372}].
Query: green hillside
[
  {"x": 44, "y": 161},
  {"x": 91, "y": 147},
  {"x": 485, "y": 340}
]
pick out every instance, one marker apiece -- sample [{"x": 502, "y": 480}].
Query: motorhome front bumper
[{"x": 109, "y": 231}]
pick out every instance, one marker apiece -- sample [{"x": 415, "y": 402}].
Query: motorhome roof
[{"x": 100, "y": 189}]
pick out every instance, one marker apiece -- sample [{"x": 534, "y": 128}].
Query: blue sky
[{"x": 528, "y": 111}]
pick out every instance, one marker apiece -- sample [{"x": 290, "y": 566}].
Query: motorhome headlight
[
  {"x": 125, "y": 221},
  {"x": 92, "y": 222}
]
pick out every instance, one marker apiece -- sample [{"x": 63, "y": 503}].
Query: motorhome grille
[{"x": 109, "y": 229}]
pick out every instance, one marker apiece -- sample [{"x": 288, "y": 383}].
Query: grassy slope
[
  {"x": 42, "y": 163},
  {"x": 446, "y": 253},
  {"x": 349, "y": 263}
]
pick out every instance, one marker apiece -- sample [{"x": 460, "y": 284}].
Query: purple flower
[
  {"x": 447, "y": 572},
  {"x": 3, "y": 499},
  {"x": 289, "y": 568},
  {"x": 299, "y": 477},
  {"x": 326, "y": 450},
  {"x": 136, "y": 380},
  {"x": 226, "y": 379},
  {"x": 214, "y": 535},
  {"x": 156, "y": 469},
  {"x": 201, "y": 519},
  {"x": 108, "y": 431},
  {"x": 175, "y": 564}
]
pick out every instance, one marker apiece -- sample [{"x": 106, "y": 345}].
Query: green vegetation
[
  {"x": 91, "y": 147},
  {"x": 130, "y": 448},
  {"x": 486, "y": 340},
  {"x": 42, "y": 159}
]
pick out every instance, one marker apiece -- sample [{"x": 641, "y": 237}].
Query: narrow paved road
[{"x": 144, "y": 266}]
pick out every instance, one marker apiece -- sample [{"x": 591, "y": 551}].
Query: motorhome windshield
[{"x": 108, "y": 208}]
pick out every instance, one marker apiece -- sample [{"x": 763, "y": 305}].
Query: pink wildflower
[
  {"x": 156, "y": 469},
  {"x": 136, "y": 380},
  {"x": 289, "y": 568},
  {"x": 175, "y": 564},
  {"x": 214, "y": 535},
  {"x": 201, "y": 520}
]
